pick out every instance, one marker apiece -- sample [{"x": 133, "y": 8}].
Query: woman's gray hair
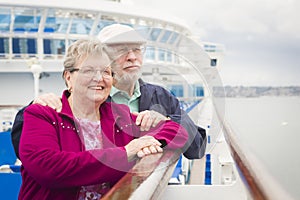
[{"x": 80, "y": 49}]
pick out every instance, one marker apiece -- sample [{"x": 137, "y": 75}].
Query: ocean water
[{"x": 270, "y": 129}]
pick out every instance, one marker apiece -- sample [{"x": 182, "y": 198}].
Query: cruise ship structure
[{"x": 34, "y": 36}]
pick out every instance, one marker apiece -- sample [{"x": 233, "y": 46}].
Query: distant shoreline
[{"x": 255, "y": 91}]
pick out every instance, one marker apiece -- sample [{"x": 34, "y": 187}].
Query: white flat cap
[{"x": 119, "y": 34}]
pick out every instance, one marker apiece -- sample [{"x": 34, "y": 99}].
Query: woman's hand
[
  {"x": 49, "y": 99},
  {"x": 149, "y": 150},
  {"x": 142, "y": 146}
]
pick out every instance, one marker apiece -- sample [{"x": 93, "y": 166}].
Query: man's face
[{"x": 128, "y": 59}]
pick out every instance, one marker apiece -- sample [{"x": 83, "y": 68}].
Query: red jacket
[{"x": 54, "y": 162}]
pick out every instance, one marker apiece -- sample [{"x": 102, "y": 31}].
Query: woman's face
[{"x": 92, "y": 81}]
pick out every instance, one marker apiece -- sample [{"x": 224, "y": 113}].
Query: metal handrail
[{"x": 147, "y": 179}]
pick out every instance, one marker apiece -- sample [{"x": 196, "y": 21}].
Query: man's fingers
[
  {"x": 139, "y": 118},
  {"x": 38, "y": 101},
  {"x": 149, "y": 118},
  {"x": 50, "y": 100},
  {"x": 146, "y": 122},
  {"x": 156, "y": 121}
]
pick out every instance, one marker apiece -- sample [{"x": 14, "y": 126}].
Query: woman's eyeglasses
[{"x": 90, "y": 71}]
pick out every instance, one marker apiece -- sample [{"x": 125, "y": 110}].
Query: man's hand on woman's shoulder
[{"x": 49, "y": 99}]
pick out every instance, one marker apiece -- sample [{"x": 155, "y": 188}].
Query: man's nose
[{"x": 131, "y": 55}]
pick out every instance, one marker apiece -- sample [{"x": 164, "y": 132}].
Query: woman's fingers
[
  {"x": 149, "y": 150},
  {"x": 142, "y": 146}
]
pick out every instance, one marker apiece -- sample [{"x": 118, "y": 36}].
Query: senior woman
[{"x": 80, "y": 152}]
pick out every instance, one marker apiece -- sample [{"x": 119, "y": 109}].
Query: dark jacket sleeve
[
  {"x": 196, "y": 144},
  {"x": 156, "y": 98},
  {"x": 17, "y": 130}
]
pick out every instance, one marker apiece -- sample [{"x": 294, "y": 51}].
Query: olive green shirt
[{"x": 121, "y": 97}]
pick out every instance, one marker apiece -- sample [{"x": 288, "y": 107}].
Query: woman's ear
[{"x": 67, "y": 77}]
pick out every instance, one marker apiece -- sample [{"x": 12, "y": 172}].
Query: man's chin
[{"x": 129, "y": 78}]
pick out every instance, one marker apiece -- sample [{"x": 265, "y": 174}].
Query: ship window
[
  {"x": 16, "y": 46},
  {"x": 154, "y": 34},
  {"x": 150, "y": 53},
  {"x": 27, "y": 20},
  {"x": 61, "y": 25},
  {"x": 4, "y": 49},
  {"x": 31, "y": 46},
  {"x": 33, "y": 30},
  {"x": 48, "y": 30},
  {"x": 54, "y": 47},
  {"x": 213, "y": 62},
  {"x": 161, "y": 55},
  {"x": 176, "y": 90},
  {"x": 50, "y": 25},
  {"x": 165, "y": 37},
  {"x": 19, "y": 29},
  {"x": 24, "y": 46},
  {"x": 199, "y": 91},
  {"x": 81, "y": 26},
  {"x": 169, "y": 56},
  {"x": 173, "y": 38},
  {"x": 4, "y": 20},
  {"x": 57, "y": 21}
]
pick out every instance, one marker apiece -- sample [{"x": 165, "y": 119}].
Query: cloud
[
  {"x": 250, "y": 17},
  {"x": 261, "y": 37}
]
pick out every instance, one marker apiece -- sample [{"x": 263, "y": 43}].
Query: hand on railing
[
  {"x": 142, "y": 146},
  {"x": 147, "y": 179}
]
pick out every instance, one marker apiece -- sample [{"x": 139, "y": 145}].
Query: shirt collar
[{"x": 136, "y": 91}]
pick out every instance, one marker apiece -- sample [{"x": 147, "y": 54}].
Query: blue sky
[{"x": 261, "y": 37}]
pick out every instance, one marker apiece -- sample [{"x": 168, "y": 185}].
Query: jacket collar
[
  {"x": 147, "y": 94},
  {"x": 66, "y": 109}
]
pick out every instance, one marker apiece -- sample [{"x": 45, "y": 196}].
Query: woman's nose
[{"x": 98, "y": 75}]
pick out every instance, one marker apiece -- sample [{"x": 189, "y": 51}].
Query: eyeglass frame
[
  {"x": 92, "y": 74},
  {"x": 124, "y": 51}
]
